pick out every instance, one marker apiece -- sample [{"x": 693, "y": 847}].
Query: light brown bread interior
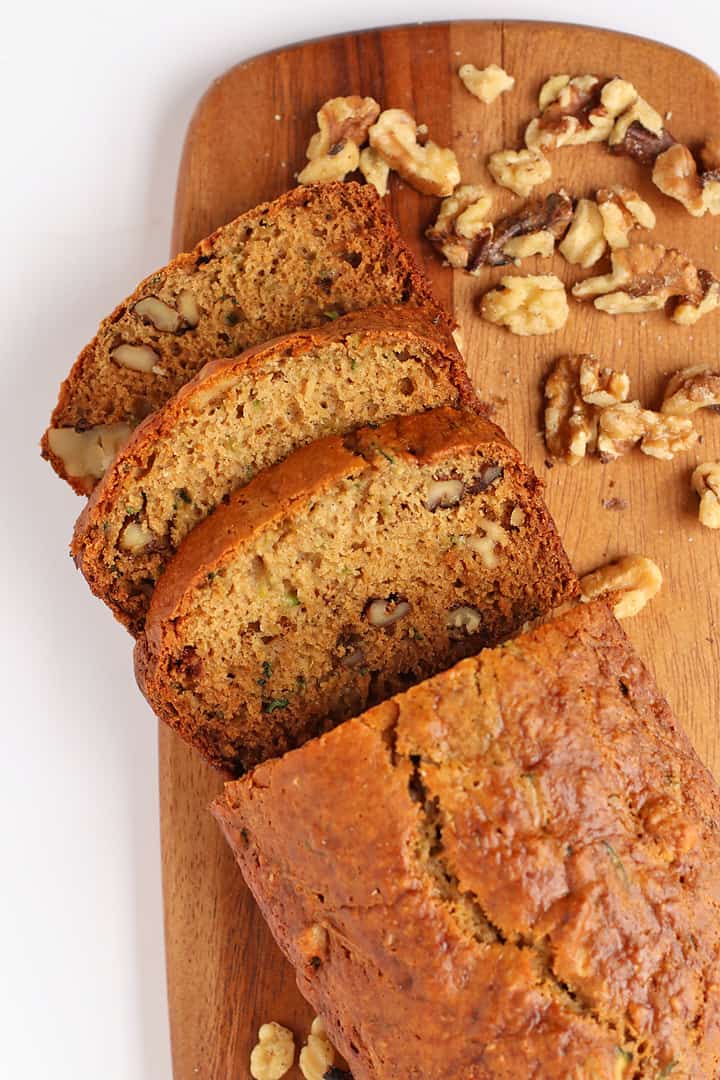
[
  {"x": 267, "y": 626},
  {"x": 300, "y": 261},
  {"x": 238, "y": 417}
]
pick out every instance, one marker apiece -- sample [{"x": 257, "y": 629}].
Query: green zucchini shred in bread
[
  {"x": 240, "y": 416},
  {"x": 353, "y": 568},
  {"x": 300, "y": 261},
  {"x": 511, "y": 871}
]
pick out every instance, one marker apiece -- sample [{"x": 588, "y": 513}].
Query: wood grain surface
[{"x": 246, "y": 142}]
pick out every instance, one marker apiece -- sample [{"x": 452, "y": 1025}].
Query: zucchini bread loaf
[
  {"x": 334, "y": 579},
  {"x": 300, "y": 261},
  {"x": 510, "y": 872},
  {"x": 240, "y": 416}
]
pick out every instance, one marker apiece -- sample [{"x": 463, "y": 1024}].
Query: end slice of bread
[
  {"x": 302, "y": 260},
  {"x": 240, "y": 416},
  {"x": 338, "y": 577}
]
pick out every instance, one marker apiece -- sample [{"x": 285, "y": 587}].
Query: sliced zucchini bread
[
  {"x": 357, "y": 566},
  {"x": 299, "y": 261},
  {"x": 240, "y": 416}
]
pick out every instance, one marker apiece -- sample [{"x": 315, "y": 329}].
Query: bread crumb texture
[
  {"x": 514, "y": 867},
  {"x": 300, "y": 261},
  {"x": 343, "y": 575},
  {"x": 241, "y": 416}
]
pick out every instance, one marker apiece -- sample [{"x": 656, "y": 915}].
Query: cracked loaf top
[{"x": 509, "y": 871}]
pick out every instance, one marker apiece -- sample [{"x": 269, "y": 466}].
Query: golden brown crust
[
  {"x": 512, "y": 870},
  {"x": 392, "y": 270},
  {"x": 400, "y": 326}
]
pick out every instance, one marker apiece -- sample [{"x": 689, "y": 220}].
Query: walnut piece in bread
[
  {"x": 274, "y": 1053},
  {"x": 706, "y": 482},
  {"x": 488, "y": 83},
  {"x": 633, "y": 579},
  {"x": 535, "y": 304},
  {"x": 429, "y": 168},
  {"x": 88, "y": 452},
  {"x": 519, "y": 170},
  {"x": 693, "y": 388}
]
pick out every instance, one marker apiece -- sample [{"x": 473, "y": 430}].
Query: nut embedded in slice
[
  {"x": 429, "y": 168},
  {"x": 88, "y": 453},
  {"x": 629, "y": 583},
  {"x": 535, "y": 304},
  {"x": 135, "y": 357},
  {"x": 693, "y": 388},
  {"x": 570, "y": 421},
  {"x": 488, "y": 83},
  {"x": 644, "y": 277},
  {"x": 622, "y": 210},
  {"x": 374, "y": 169},
  {"x": 584, "y": 242},
  {"x": 519, "y": 170},
  {"x": 706, "y": 483}
]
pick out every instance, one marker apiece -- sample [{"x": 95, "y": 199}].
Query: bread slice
[
  {"x": 300, "y": 261},
  {"x": 509, "y": 871},
  {"x": 339, "y": 576},
  {"x": 240, "y": 416}
]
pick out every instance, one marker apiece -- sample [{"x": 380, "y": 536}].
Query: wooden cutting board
[{"x": 245, "y": 143}]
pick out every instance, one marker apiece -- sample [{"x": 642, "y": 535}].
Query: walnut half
[
  {"x": 644, "y": 277},
  {"x": 533, "y": 230},
  {"x": 530, "y": 305},
  {"x": 519, "y": 170},
  {"x": 626, "y": 424},
  {"x": 575, "y": 391},
  {"x": 428, "y": 168},
  {"x": 486, "y": 84},
  {"x": 693, "y": 388},
  {"x": 333, "y": 151},
  {"x": 629, "y": 583}
]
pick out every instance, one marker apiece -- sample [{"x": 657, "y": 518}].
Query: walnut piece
[
  {"x": 639, "y": 112},
  {"x": 602, "y": 386},
  {"x": 660, "y": 436},
  {"x": 136, "y": 358},
  {"x": 486, "y": 84},
  {"x": 486, "y": 540},
  {"x": 572, "y": 114},
  {"x": 584, "y": 242},
  {"x": 88, "y": 453},
  {"x": 519, "y": 170},
  {"x": 706, "y": 482},
  {"x": 675, "y": 173},
  {"x": 691, "y": 389},
  {"x": 162, "y": 316},
  {"x": 463, "y": 622},
  {"x": 443, "y": 494},
  {"x": 622, "y": 210},
  {"x": 629, "y": 583},
  {"x": 570, "y": 422},
  {"x": 644, "y": 277},
  {"x": 532, "y": 230},
  {"x": 460, "y": 220},
  {"x": 135, "y": 536},
  {"x": 385, "y": 612},
  {"x": 688, "y": 309},
  {"x": 374, "y": 169},
  {"x": 535, "y": 304},
  {"x": 430, "y": 169},
  {"x": 343, "y": 125},
  {"x": 318, "y": 1055},
  {"x": 274, "y": 1053}
]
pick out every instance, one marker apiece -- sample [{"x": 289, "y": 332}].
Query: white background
[{"x": 95, "y": 102}]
